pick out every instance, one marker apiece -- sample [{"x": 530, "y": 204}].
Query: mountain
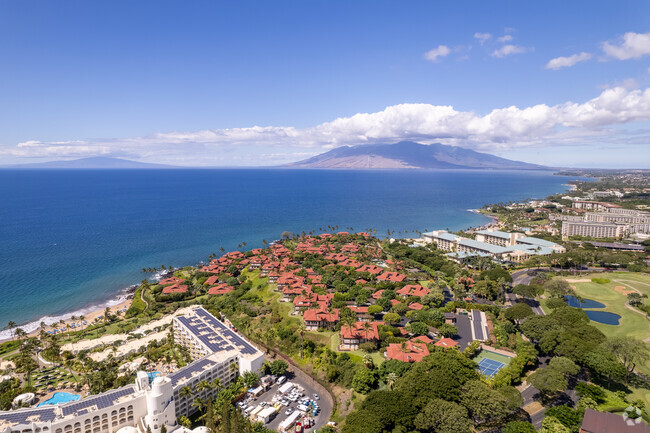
[
  {"x": 95, "y": 162},
  {"x": 410, "y": 155}
]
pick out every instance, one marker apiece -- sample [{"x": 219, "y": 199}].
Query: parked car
[{"x": 316, "y": 397}]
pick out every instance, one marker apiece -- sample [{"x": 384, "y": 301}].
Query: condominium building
[
  {"x": 515, "y": 247},
  {"x": 594, "y": 205},
  {"x": 218, "y": 353},
  {"x": 592, "y": 229}
]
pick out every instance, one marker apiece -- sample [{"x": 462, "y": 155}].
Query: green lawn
[{"x": 631, "y": 323}]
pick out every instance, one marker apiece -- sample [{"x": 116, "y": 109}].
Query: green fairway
[{"x": 632, "y": 323}]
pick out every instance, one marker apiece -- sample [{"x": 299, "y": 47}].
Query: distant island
[
  {"x": 95, "y": 162},
  {"x": 410, "y": 155}
]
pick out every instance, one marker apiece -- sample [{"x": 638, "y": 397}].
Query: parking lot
[{"x": 304, "y": 393}]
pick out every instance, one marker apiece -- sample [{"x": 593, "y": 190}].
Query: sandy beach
[{"x": 89, "y": 317}]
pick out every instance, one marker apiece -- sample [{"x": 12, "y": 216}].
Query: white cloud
[
  {"x": 630, "y": 46},
  {"x": 511, "y": 127},
  {"x": 435, "y": 54},
  {"x": 563, "y": 62},
  {"x": 482, "y": 37},
  {"x": 507, "y": 50},
  {"x": 505, "y": 38}
]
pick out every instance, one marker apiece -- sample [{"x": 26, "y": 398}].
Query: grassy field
[{"x": 632, "y": 323}]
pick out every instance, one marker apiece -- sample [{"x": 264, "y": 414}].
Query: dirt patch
[
  {"x": 533, "y": 408},
  {"x": 623, "y": 290},
  {"x": 578, "y": 280}
]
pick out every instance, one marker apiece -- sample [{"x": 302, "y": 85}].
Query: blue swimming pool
[
  {"x": 153, "y": 375},
  {"x": 572, "y": 301},
  {"x": 603, "y": 317},
  {"x": 60, "y": 398}
]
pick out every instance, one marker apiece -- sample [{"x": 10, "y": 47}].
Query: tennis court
[
  {"x": 489, "y": 363},
  {"x": 490, "y": 367}
]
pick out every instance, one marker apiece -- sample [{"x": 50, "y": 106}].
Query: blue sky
[{"x": 189, "y": 82}]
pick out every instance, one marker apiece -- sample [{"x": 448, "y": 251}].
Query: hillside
[{"x": 410, "y": 155}]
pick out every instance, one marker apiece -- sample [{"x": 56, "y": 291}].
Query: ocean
[{"x": 72, "y": 240}]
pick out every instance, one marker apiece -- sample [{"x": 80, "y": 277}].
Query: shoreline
[
  {"x": 124, "y": 299},
  {"x": 91, "y": 313}
]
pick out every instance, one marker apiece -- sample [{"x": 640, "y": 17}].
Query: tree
[
  {"x": 518, "y": 312},
  {"x": 629, "y": 351},
  {"x": 518, "y": 427},
  {"x": 418, "y": 328},
  {"x": 390, "y": 380},
  {"x": 250, "y": 379},
  {"x": 553, "y": 425},
  {"x": 184, "y": 421},
  {"x": 553, "y": 378},
  {"x": 634, "y": 299},
  {"x": 368, "y": 361},
  {"x": 392, "y": 318},
  {"x": 277, "y": 367},
  {"x": 447, "y": 330},
  {"x": 557, "y": 287},
  {"x": 364, "y": 380},
  {"x": 442, "y": 416},
  {"x": 482, "y": 402},
  {"x": 375, "y": 309}
]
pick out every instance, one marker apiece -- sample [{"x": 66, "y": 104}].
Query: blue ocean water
[{"x": 71, "y": 239}]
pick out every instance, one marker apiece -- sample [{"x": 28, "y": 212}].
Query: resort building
[
  {"x": 361, "y": 332},
  {"x": 593, "y": 205},
  {"x": 507, "y": 247},
  {"x": 218, "y": 353},
  {"x": 592, "y": 229}
]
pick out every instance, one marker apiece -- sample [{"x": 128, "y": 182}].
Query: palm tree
[
  {"x": 202, "y": 385},
  {"x": 368, "y": 362},
  {"x": 185, "y": 391},
  {"x": 199, "y": 403},
  {"x": 390, "y": 380},
  {"x": 367, "y": 327},
  {"x": 216, "y": 384},
  {"x": 11, "y": 326},
  {"x": 107, "y": 314},
  {"x": 404, "y": 349}
]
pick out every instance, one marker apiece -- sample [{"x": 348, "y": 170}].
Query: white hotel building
[
  {"x": 512, "y": 247},
  {"x": 218, "y": 353}
]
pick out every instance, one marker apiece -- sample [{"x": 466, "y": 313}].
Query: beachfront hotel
[
  {"x": 218, "y": 352},
  {"x": 498, "y": 245}
]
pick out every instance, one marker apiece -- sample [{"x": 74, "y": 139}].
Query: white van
[{"x": 281, "y": 380}]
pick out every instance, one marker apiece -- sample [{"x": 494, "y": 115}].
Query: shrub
[{"x": 600, "y": 280}]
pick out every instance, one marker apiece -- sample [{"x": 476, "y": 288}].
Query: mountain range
[
  {"x": 410, "y": 155},
  {"x": 402, "y": 155},
  {"x": 95, "y": 162}
]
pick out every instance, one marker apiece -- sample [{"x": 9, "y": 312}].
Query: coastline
[
  {"x": 121, "y": 302},
  {"x": 121, "y": 299}
]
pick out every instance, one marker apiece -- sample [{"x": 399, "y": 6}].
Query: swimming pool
[
  {"x": 153, "y": 375},
  {"x": 60, "y": 398}
]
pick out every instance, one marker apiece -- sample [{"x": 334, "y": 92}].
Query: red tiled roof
[
  {"x": 221, "y": 289},
  {"x": 174, "y": 289},
  {"x": 423, "y": 339},
  {"x": 212, "y": 280},
  {"x": 360, "y": 332},
  {"x": 413, "y": 290},
  {"x": 446, "y": 342},
  {"x": 394, "y": 277},
  {"x": 370, "y": 268},
  {"x": 416, "y": 306},
  {"x": 321, "y": 316},
  {"x": 415, "y": 351}
]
